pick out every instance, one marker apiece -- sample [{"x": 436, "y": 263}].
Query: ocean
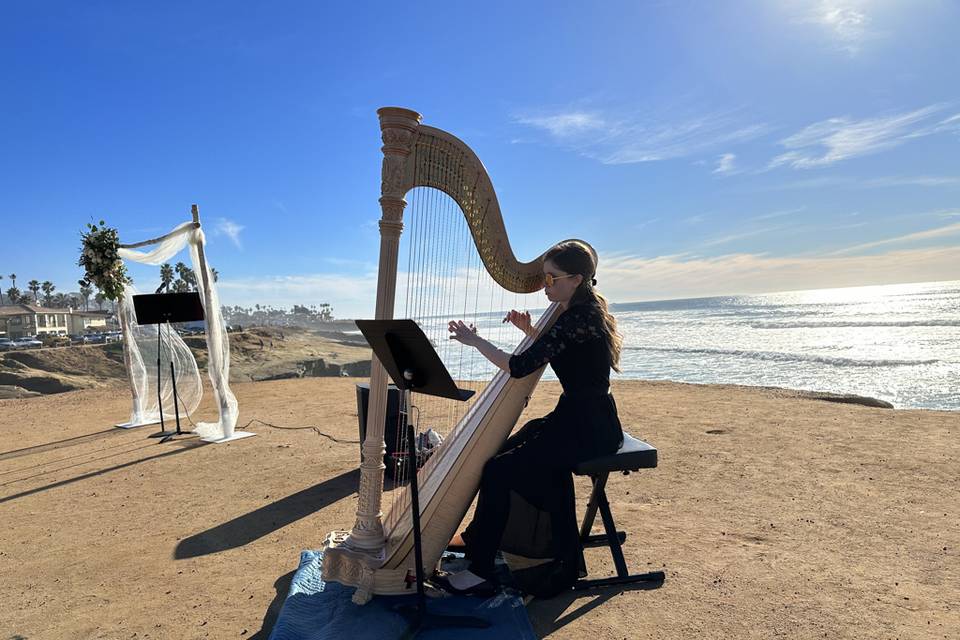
[{"x": 899, "y": 343}]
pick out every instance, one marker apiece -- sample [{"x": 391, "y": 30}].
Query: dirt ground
[{"x": 772, "y": 515}]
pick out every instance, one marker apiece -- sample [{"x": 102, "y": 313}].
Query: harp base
[
  {"x": 362, "y": 569},
  {"x": 351, "y": 566}
]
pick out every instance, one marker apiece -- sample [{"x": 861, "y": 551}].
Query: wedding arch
[{"x": 140, "y": 342}]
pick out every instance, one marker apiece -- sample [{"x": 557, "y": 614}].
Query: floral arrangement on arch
[{"x": 100, "y": 259}]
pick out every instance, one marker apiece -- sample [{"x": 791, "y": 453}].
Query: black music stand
[
  {"x": 409, "y": 358},
  {"x": 160, "y": 309}
]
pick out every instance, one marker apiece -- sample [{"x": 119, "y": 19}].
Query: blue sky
[{"x": 702, "y": 148}]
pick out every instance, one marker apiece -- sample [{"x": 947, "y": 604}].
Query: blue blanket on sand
[{"x": 318, "y": 610}]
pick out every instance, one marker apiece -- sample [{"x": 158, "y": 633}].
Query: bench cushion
[{"x": 633, "y": 455}]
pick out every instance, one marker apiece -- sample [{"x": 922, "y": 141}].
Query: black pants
[
  {"x": 528, "y": 464},
  {"x": 536, "y": 463}
]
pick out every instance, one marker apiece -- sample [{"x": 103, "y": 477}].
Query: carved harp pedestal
[{"x": 377, "y": 555}]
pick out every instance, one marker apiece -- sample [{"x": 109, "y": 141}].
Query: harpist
[{"x": 536, "y": 462}]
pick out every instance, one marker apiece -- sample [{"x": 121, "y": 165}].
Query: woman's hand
[
  {"x": 520, "y": 321},
  {"x": 463, "y": 333}
]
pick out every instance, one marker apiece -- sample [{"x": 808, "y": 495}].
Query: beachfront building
[
  {"x": 20, "y": 320},
  {"x": 87, "y": 322}
]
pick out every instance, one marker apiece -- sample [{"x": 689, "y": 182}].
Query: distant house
[
  {"x": 87, "y": 321},
  {"x": 20, "y": 320}
]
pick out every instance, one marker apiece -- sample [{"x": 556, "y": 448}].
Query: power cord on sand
[
  {"x": 314, "y": 429},
  {"x": 274, "y": 426}
]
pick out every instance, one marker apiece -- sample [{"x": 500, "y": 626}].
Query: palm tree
[
  {"x": 85, "y": 292},
  {"x": 13, "y": 295},
  {"x": 99, "y": 299},
  {"x": 166, "y": 275},
  {"x": 186, "y": 275},
  {"x": 34, "y": 286},
  {"x": 1, "y": 293},
  {"x": 13, "y": 277},
  {"x": 48, "y": 288}
]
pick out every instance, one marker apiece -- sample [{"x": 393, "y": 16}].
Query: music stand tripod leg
[
  {"x": 418, "y": 618},
  {"x": 163, "y": 428},
  {"x": 176, "y": 398}
]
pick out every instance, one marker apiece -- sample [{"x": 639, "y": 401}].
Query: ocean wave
[
  {"x": 854, "y": 323},
  {"x": 778, "y": 356}
]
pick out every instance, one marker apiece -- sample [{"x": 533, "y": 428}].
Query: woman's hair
[{"x": 578, "y": 258}]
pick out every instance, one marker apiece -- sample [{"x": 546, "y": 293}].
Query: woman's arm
[
  {"x": 468, "y": 336},
  {"x": 500, "y": 358}
]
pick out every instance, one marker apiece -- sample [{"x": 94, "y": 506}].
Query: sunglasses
[{"x": 549, "y": 278}]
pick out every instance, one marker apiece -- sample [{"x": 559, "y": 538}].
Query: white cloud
[
  {"x": 713, "y": 242},
  {"x": 353, "y": 293},
  {"x": 939, "y": 232},
  {"x": 230, "y": 229},
  {"x": 846, "y": 22},
  {"x": 726, "y": 164},
  {"x": 778, "y": 214},
  {"x": 628, "y": 278},
  {"x": 643, "y": 137},
  {"x": 845, "y": 19},
  {"x": 634, "y": 278},
  {"x": 830, "y": 141},
  {"x": 567, "y": 124},
  {"x": 640, "y": 144},
  {"x": 912, "y": 181},
  {"x": 645, "y": 223},
  {"x": 844, "y": 182},
  {"x": 351, "y": 296}
]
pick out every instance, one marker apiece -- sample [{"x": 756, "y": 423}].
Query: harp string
[{"x": 446, "y": 280}]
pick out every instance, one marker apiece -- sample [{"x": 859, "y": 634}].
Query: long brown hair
[{"x": 578, "y": 258}]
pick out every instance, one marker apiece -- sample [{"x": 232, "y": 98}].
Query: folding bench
[{"x": 632, "y": 456}]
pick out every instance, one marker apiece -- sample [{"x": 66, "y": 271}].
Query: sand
[{"x": 773, "y": 516}]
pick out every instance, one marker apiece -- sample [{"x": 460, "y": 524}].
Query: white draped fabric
[{"x": 140, "y": 345}]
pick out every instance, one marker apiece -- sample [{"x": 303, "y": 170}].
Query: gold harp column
[{"x": 398, "y": 129}]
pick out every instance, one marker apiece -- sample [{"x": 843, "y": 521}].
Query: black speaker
[{"x": 392, "y": 429}]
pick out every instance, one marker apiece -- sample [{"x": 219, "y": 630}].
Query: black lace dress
[{"x": 526, "y": 503}]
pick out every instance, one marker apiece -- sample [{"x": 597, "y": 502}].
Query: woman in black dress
[{"x": 526, "y": 500}]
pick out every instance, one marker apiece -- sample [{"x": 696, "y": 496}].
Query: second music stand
[{"x": 160, "y": 309}]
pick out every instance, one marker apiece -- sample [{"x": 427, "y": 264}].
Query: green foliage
[{"x": 101, "y": 261}]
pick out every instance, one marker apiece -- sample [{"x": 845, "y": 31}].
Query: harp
[{"x": 454, "y": 209}]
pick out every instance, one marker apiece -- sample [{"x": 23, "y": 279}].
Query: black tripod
[
  {"x": 162, "y": 309},
  {"x": 163, "y": 434},
  {"x": 411, "y": 362}
]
